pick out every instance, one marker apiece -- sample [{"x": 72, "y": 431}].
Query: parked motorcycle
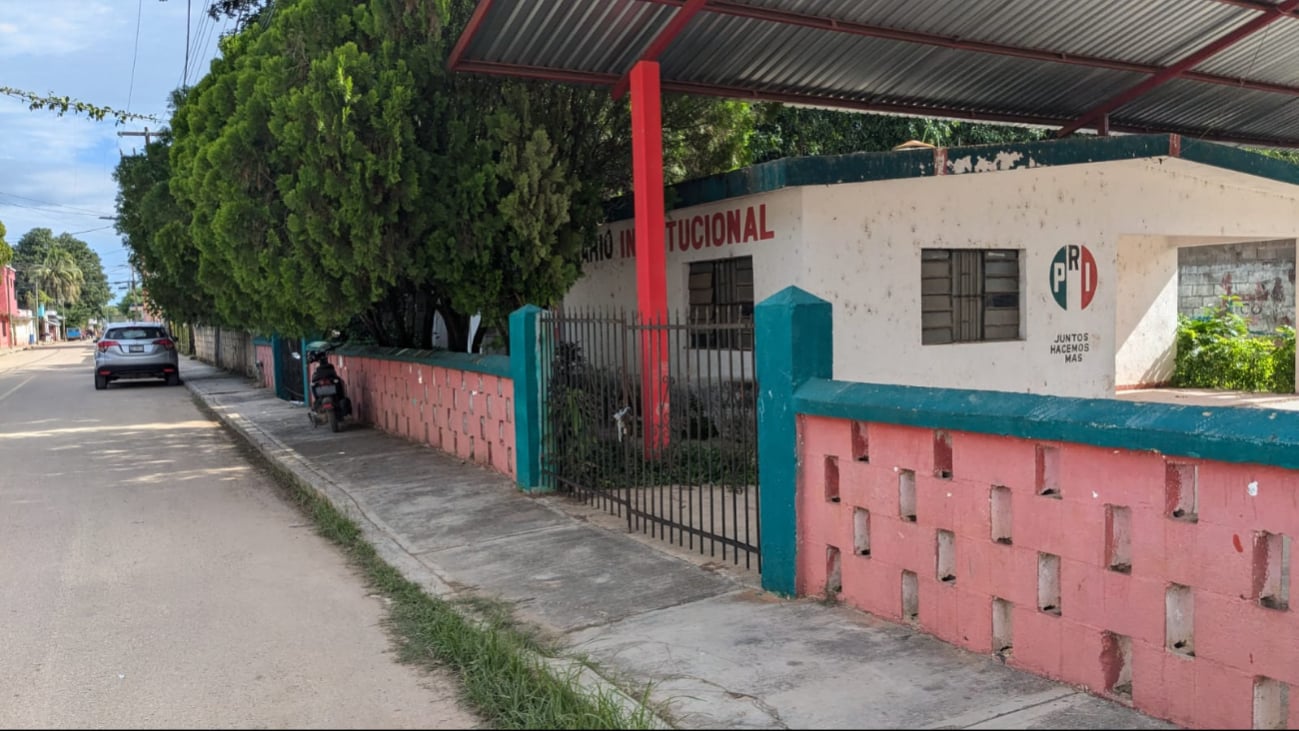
[{"x": 329, "y": 401}]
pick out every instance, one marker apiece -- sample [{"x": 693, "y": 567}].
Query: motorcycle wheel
[{"x": 333, "y": 420}]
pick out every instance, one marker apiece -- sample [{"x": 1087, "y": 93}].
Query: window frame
[
  {"x": 983, "y": 289},
  {"x": 720, "y": 323}
]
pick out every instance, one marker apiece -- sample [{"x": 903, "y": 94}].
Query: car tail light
[
  {"x": 166, "y": 343},
  {"x": 106, "y": 344}
]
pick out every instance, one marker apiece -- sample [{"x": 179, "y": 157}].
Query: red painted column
[{"x": 651, "y": 261}]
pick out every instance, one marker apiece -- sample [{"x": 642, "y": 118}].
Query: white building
[{"x": 1042, "y": 267}]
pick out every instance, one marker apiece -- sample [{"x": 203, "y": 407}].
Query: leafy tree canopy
[
  {"x": 70, "y": 274},
  {"x": 330, "y": 170},
  {"x": 130, "y": 300},
  {"x": 155, "y": 229},
  {"x": 6, "y": 251},
  {"x": 786, "y": 131}
]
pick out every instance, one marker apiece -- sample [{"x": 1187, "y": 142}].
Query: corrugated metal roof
[
  {"x": 1272, "y": 55},
  {"x": 1108, "y": 28},
  {"x": 1010, "y": 60}
]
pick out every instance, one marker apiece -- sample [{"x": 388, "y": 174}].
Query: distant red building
[{"x": 8, "y": 307}]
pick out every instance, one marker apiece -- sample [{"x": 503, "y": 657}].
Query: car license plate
[{"x": 136, "y": 349}]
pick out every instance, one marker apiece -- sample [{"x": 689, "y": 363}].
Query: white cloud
[
  {"x": 56, "y": 27},
  {"x": 41, "y": 136},
  {"x": 84, "y": 49}
]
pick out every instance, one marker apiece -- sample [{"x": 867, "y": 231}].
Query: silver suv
[{"x": 136, "y": 350}]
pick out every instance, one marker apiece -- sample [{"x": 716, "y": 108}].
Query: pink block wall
[
  {"x": 1236, "y": 640},
  {"x": 467, "y": 414},
  {"x": 8, "y": 307},
  {"x": 266, "y": 356}
]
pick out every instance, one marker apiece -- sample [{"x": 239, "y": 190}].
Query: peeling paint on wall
[{"x": 1004, "y": 160}]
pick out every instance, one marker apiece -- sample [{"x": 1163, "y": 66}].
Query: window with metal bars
[
  {"x": 721, "y": 304},
  {"x": 969, "y": 295}
]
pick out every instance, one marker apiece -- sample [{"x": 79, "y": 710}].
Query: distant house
[{"x": 9, "y": 316}]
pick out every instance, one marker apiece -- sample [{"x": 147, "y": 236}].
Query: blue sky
[{"x": 56, "y": 172}]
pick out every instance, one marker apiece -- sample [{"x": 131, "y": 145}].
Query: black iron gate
[
  {"x": 695, "y": 484},
  {"x": 288, "y": 370}
]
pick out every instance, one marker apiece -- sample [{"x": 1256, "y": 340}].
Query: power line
[
  {"x": 90, "y": 230},
  {"x": 135, "y": 54},
  {"x": 193, "y": 48},
  {"x": 185, "y": 72},
  {"x": 47, "y": 203},
  {"x": 203, "y": 44},
  {"x": 43, "y": 209}
]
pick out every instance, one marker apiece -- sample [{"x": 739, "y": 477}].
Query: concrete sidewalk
[{"x": 719, "y": 652}]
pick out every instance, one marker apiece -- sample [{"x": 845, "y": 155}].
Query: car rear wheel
[
  {"x": 101, "y": 382},
  {"x": 173, "y": 379}
]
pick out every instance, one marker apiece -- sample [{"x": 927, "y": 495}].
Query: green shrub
[
  {"x": 1283, "y": 371},
  {"x": 1216, "y": 350}
]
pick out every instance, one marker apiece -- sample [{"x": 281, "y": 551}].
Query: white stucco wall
[
  {"x": 874, "y": 232},
  {"x": 1146, "y": 316},
  {"x": 858, "y": 245},
  {"x": 612, "y": 281}
]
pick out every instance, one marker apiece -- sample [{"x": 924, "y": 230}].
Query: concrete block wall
[
  {"x": 1153, "y": 579},
  {"x": 1141, "y": 551},
  {"x": 1261, "y": 273},
  {"x": 237, "y": 352},
  {"x": 230, "y": 349},
  {"x": 462, "y": 412},
  {"x": 205, "y": 343}
]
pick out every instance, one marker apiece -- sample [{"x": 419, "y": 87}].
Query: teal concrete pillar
[
  {"x": 793, "y": 344},
  {"x": 306, "y": 373},
  {"x": 280, "y": 363},
  {"x": 525, "y": 370}
]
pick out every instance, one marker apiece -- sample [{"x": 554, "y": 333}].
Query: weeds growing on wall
[{"x": 1216, "y": 350}]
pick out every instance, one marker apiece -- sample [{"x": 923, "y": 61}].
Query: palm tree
[{"x": 59, "y": 276}]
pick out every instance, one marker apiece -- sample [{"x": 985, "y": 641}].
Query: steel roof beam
[
  {"x": 680, "y": 19},
  {"x": 1195, "y": 58},
  {"x": 816, "y": 22},
  {"x": 733, "y": 92},
  {"x": 467, "y": 35},
  {"x": 1256, "y": 5}
]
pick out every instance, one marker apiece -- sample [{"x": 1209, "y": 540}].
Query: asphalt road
[{"x": 151, "y": 577}]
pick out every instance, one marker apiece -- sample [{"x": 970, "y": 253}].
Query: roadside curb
[{"x": 284, "y": 460}]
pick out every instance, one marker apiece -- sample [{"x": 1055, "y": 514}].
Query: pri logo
[{"x": 1073, "y": 270}]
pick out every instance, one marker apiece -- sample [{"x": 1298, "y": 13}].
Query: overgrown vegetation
[
  {"x": 1217, "y": 350},
  {"x": 596, "y": 437},
  {"x": 496, "y": 660}
]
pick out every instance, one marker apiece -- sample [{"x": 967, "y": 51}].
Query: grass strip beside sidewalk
[
  {"x": 495, "y": 661},
  {"x": 506, "y": 674}
]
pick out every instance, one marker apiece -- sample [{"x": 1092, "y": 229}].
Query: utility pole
[{"x": 146, "y": 134}]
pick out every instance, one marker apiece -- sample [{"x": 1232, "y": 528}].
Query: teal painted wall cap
[
  {"x": 792, "y": 295},
  {"x": 1227, "y": 434}
]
